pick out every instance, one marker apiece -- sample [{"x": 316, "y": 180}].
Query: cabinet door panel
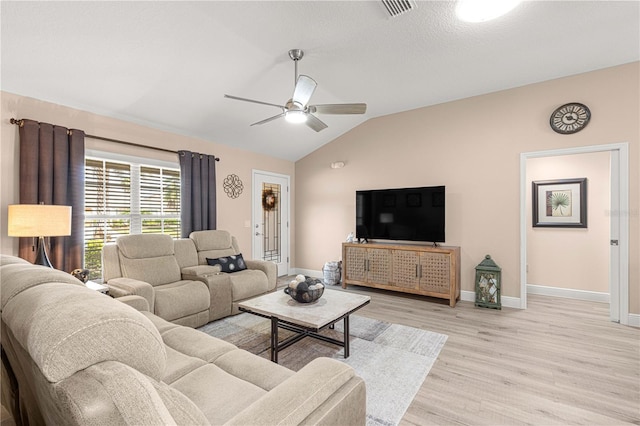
[
  {"x": 405, "y": 269},
  {"x": 379, "y": 261},
  {"x": 436, "y": 272},
  {"x": 355, "y": 263}
]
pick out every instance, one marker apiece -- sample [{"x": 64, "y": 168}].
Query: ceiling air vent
[{"x": 397, "y": 7}]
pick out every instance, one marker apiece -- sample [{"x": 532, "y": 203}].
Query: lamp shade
[{"x": 39, "y": 220}]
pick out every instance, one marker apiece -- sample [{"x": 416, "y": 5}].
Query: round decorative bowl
[{"x": 305, "y": 289}]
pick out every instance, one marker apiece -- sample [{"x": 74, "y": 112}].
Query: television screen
[{"x": 406, "y": 214}]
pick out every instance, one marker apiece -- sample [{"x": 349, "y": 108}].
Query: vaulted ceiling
[{"x": 167, "y": 65}]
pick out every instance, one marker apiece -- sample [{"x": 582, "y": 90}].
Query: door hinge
[{"x": 614, "y": 242}]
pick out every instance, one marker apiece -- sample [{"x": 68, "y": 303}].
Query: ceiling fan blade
[
  {"x": 305, "y": 86},
  {"x": 315, "y": 123},
  {"x": 266, "y": 120},
  {"x": 253, "y": 101},
  {"x": 339, "y": 108}
]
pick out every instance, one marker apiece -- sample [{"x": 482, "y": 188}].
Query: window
[{"x": 127, "y": 198}]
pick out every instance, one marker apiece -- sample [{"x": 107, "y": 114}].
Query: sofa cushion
[
  {"x": 180, "y": 299},
  {"x": 259, "y": 371},
  {"x": 179, "y": 364},
  {"x": 211, "y": 240},
  {"x": 128, "y": 391},
  {"x": 248, "y": 283},
  {"x": 189, "y": 341},
  {"x": 142, "y": 246},
  {"x": 185, "y": 252},
  {"x": 213, "y": 244},
  {"x": 5, "y": 259},
  {"x": 149, "y": 258},
  {"x": 19, "y": 276},
  {"x": 65, "y": 329},
  {"x": 155, "y": 271},
  {"x": 218, "y": 394},
  {"x": 229, "y": 264}
]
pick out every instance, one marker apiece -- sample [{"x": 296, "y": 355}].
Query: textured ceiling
[{"x": 168, "y": 64}]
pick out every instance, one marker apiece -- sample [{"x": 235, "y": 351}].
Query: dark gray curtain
[
  {"x": 197, "y": 192},
  {"x": 52, "y": 172}
]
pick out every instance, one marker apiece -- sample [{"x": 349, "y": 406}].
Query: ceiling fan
[{"x": 296, "y": 110}]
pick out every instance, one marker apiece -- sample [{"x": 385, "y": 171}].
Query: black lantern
[{"x": 488, "y": 283}]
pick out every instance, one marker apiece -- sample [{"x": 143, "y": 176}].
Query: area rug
[{"x": 392, "y": 359}]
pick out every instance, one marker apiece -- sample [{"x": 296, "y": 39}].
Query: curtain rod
[{"x": 20, "y": 123}]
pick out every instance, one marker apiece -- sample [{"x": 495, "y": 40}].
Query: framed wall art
[{"x": 560, "y": 203}]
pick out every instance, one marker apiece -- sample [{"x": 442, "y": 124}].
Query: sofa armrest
[
  {"x": 139, "y": 303},
  {"x": 120, "y": 287},
  {"x": 220, "y": 290},
  {"x": 191, "y": 272},
  {"x": 298, "y": 397},
  {"x": 269, "y": 268}
]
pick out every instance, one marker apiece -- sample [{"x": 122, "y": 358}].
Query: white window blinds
[{"x": 127, "y": 198}]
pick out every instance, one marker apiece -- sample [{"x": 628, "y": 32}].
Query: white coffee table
[{"x": 305, "y": 319}]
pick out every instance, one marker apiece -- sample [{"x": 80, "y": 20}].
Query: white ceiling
[{"x": 168, "y": 64}]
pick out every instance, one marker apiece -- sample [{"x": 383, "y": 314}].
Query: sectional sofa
[
  {"x": 74, "y": 356},
  {"x": 174, "y": 276}
]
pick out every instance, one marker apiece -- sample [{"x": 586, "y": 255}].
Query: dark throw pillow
[{"x": 229, "y": 263}]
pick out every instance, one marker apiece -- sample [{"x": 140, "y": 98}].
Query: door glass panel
[{"x": 271, "y": 222}]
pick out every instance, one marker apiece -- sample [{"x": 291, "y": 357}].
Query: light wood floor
[{"x": 559, "y": 362}]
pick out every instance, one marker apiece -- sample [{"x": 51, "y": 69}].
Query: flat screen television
[{"x": 404, "y": 214}]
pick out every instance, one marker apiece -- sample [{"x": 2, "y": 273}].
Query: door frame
[
  {"x": 256, "y": 199},
  {"x": 619, "y": 259}
]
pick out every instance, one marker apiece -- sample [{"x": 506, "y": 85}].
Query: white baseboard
[
  {"x": 514, "y": 302},
  {"x": 568, "y": 293},
  {"x": 307, "y": 272},
  {"x": 633, "y": 320},
  {"x": 506, "y": 301}
]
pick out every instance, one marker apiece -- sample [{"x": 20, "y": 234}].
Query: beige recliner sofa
[
  {"x": 175, "y": 279},
  {"x": 75, "y": 356}
]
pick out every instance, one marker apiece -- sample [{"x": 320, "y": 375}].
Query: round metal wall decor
[
  {"x": 233, "y": 186},
  {"x": 570, "y": 118}
]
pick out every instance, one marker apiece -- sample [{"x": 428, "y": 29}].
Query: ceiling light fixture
[
  {"x": 483, "y": 10},
  {"x": 295, "y": 116}
]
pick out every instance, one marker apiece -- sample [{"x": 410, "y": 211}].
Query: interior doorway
[
  {"x": 619, "y": 224},
  {"x": 270, "y": 219}
]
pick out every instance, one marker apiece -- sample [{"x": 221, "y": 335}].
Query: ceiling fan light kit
[
  {"x": 295, "y": 117},
  {"x": 296, "y": 109}
]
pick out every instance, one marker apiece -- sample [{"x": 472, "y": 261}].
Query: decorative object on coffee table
[
  {"x": 488, "y": 284},
  {"x": 305, "y": 289}
]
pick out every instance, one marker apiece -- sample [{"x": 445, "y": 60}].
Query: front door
[{"x": 270, "y": 224}]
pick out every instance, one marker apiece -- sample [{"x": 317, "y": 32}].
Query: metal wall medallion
[{"x": 233, "y": 186}]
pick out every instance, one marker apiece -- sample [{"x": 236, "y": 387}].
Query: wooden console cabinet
[{"x": 425, "y": 270}]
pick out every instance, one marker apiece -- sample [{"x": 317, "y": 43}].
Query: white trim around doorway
[{"x": 619, "y": 186}]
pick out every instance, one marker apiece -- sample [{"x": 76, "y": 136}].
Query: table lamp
[{"x": 39, "y": 220}]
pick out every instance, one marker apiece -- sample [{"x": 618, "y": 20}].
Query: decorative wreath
[
  {"x": 233, "y": 186},
  {"x": 269, "y": 199}
]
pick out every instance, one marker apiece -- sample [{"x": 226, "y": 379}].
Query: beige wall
[
  {"x": 232, "y": 213},
  {"x": 572, "y": 258},
  {"x": 473, "y": 147}
]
